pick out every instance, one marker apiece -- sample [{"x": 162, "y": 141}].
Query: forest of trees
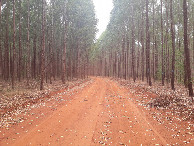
[
  {"x": 151, "y": 40},
  {"x": 45, "y": 39}
]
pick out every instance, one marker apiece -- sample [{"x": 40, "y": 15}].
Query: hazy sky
[{"x": 103, "y": 9}]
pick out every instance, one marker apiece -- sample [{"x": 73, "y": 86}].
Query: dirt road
[{"x": 102, "y": 113}]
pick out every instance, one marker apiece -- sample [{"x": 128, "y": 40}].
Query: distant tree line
[{"x": 150, "y": 40}]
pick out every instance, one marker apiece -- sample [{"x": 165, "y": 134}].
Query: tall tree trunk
[
  {"x": 20, "y": 52},
  {"x": 162, "y": 39},
  {"x": 148, "y": 46},
  {"x": 123, "y": 56},
  {"x": 52, "y": 43},
  {"x": 153, "y": 52},
  {"x": 138, "y": 51},
  {"x": 28, "y": 45},
  {"x": 193, "y": 35},
  {"x": 185, "y": 74},
  {"x": 14, "y": 52},
  {"x": 34, "y": 58},
  {"x": 133, "y": 47},
  {"x": 127, "y": 57},
  {"x": 156, "y": 59},
  {"x": 7, "y": 67},
  {"x": 166, "y": 64},
  {"x": 142, "y": 43},
  {"x": 173, "y": 45},
  {"x": 1, "y": 64},
  {"x": 43, "y": 48},
  {"x": 186, "y": 50}
]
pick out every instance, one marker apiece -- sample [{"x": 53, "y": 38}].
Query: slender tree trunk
[
  {"x": 127, "y": 69},
  {"x": 52, "y": 43},
  {"x": 173, "y": 45},
  {"x": 142, "y": 43},
  {"x": 153, "y": 52},
  {"x": 28, "y": 45},
  {"x": 14, "y": 52},
  {"x": 64, "y": 47},
  {"x": 166, "y": 64},
  {"x": 185, "y": 74},
  {"x": 1, "y": 40},
  {"x": 43, "y": 47},
  {"x": 20, "y": 54},
  {"x": 163, "y": 72},
  {"x": 0, "y": 10},
  {"x": 186, "y": 49},
  {"x": 1, "y": 64},
  {"x": 34, "y": 58},
  {"x": 156, "y": 59},
  {"x": 7, "y": 67},
  {"x": 138, "y": 51},
  {"x": 148, "y": 46},
  {"x": 115, "y": 64},
  {"x": 123, "y": 56},
  {"x": 193, "y": 41},
  {"x": 133, "y": 48}
]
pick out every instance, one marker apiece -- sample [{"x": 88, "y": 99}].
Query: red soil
[{"x": 102, "y": 113}]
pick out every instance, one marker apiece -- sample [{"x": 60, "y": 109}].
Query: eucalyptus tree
[
  {"x": 148, "y": 45},
  {"x": 186, "y": 49},
  {"x": 173, "y": 45},
  {"x": 0, "y": 43},
  {"x": 19, "y": 42},
  {"x": 65, "y": 41},
  {"x": 14, "y": 48},
  {"x": 43, "y": 47},
  {"x": 81, "y": 33},
  {"x": 125, "y": 35},
  {"x": 162, "y": 42},
  {"x": 29, "y": 54}
]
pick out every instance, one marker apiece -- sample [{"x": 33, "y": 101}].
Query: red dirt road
[{"x": 102, "y": 113}]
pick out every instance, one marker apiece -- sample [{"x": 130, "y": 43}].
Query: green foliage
[
  {"x": 120, "y": 28},
  {"x": 78, "y": 16}
]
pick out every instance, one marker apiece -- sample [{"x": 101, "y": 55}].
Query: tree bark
[
  {"x": 34, "y": 58},
  {"x": 142, "y": 43},
  {"x": 156, "y": 59},
  {"x": 7, "y": 63},
  {"x": 193, "y": 35},
  {"x": 1, "y": 40},
  {"x": 43, "y": 48},
  {"x": 123, "y": 56},
  {"x": 64, "y": 47},
  {"x": 20, "y": 54},
  {"x": 186, "y": 49},
  {"x": 162, "y": 40},
  {"x": 166, "y": 53},
  {"x": 14, "y": 53},
  {"x": 1, "y": 64},
  {"x": 148, "y": 46},
  {"x": 28, "y": 44},
  {"x": 153, "y": 52},
  {"x": 133, "y": 48},
  {"x": 173, "y": 45},
  {"x": 138, "y": 51}
]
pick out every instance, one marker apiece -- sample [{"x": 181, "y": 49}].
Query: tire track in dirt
[
  {"x": 101, "y": 114},
  {"x": 71, "y": 124},
  {"x": 122, "y": 123},
  {"x": 140, "y": 119}
]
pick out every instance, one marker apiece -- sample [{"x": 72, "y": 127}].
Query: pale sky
[{"x": 103, "y": 9}]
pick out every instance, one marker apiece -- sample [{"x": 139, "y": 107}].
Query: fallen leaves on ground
[{"x": 22, "y": 99}]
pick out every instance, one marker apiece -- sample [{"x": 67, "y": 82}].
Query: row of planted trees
[
  {"x": 152, "y": 39},
  {"x": 45, "y": 39}
]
